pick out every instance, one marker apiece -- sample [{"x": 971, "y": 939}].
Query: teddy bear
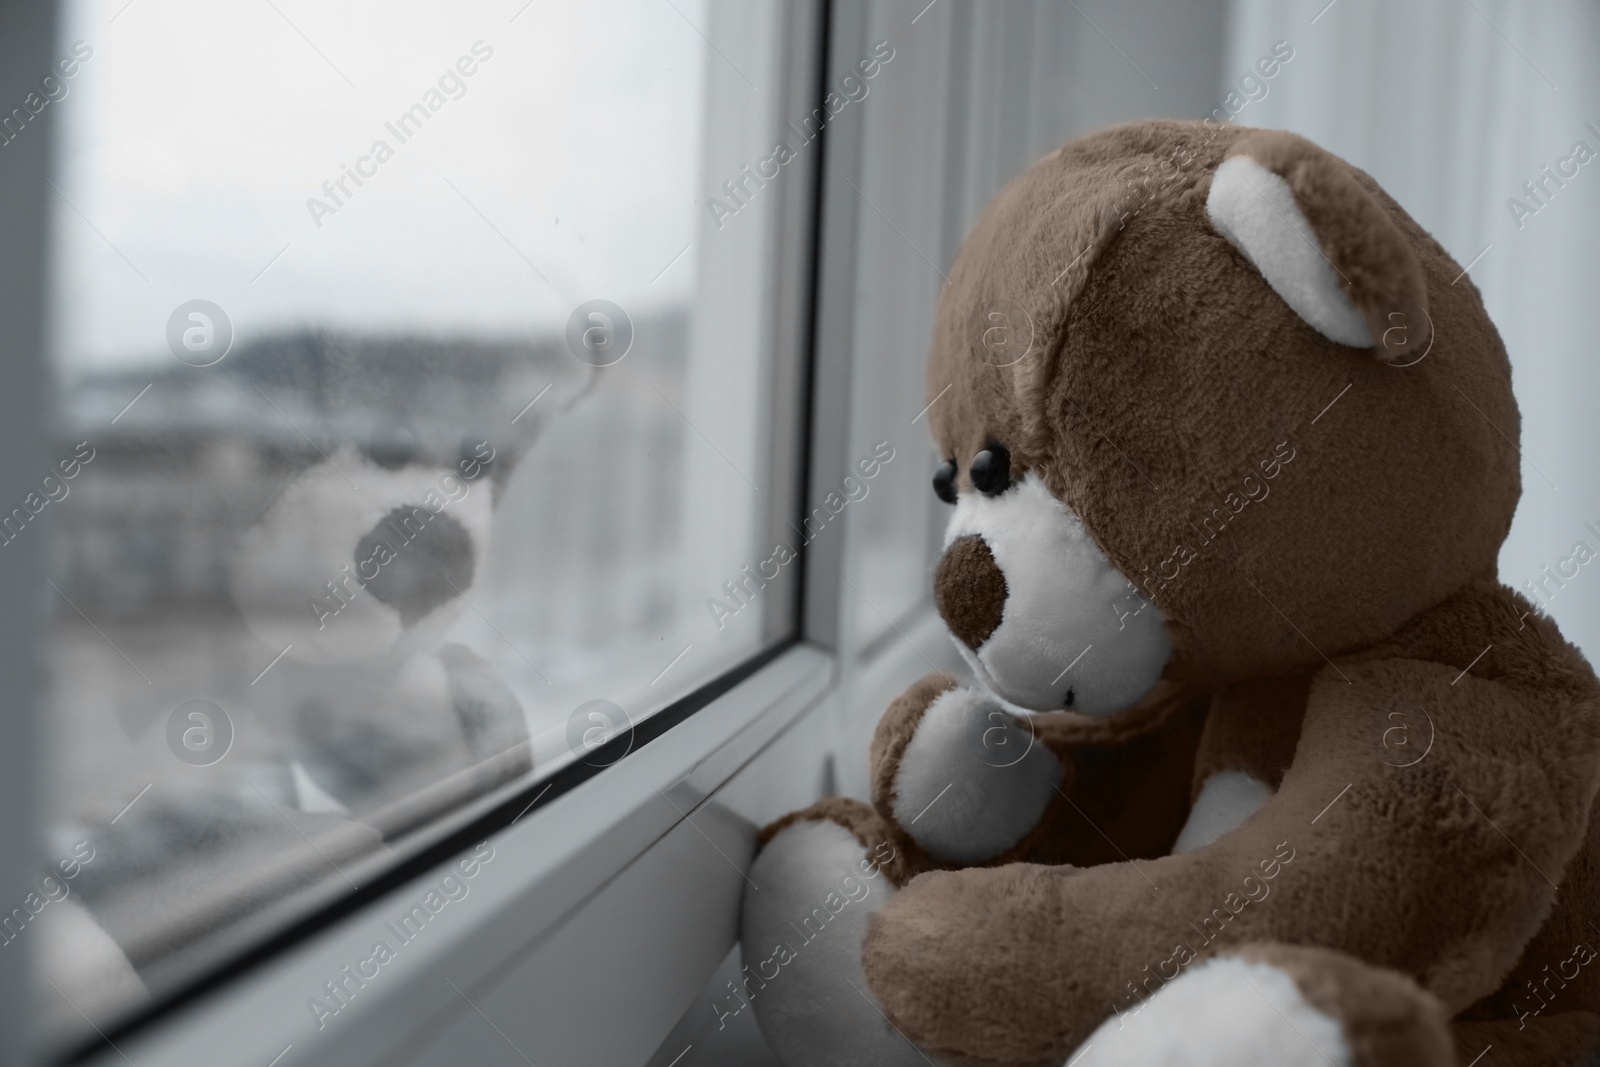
[
  {"x": 1258, "y": 762},
  {"x": 348, "y": 545}
]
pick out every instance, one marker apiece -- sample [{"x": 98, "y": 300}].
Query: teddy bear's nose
[
  {"x": 414, "y": 560},
  {"x": 970, "y": 590}
]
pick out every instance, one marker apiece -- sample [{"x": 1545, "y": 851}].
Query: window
[
  {"x": 442, "y": 403},
  {"x": 420, "y": 425}
]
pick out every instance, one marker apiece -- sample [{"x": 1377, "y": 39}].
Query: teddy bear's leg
[
  {"x": 1276, "y": 1005},
  {"x": 963, "y": 781},
  {"x": 821, "y": 874}
]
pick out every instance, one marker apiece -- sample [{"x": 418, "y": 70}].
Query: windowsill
[{"x": 544, "y": 869}]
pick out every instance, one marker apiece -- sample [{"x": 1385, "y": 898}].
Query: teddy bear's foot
[
  {"x": 818, "y": 879},
  {"x": 1277, "y": 1006},
  {"x": 965, "y": 779}
]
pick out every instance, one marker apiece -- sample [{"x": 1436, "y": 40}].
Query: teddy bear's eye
[
  {"x": 944, "y": 481},
  {"x": 390, "y": 455},
  {"x": 392, "y": 448},
  {"x": 991, "y": 469}
]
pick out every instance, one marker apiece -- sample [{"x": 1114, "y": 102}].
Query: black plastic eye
[
  {"x": 944, "y": 481},
  {"x": 392, "y": 449},
  {"x": 991, "y": 469}
]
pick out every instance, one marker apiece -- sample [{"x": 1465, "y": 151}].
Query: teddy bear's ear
[{"x": 1322, "y": 242}]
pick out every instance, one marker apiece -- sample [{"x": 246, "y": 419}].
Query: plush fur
[{"x": 1315, "y": 524}]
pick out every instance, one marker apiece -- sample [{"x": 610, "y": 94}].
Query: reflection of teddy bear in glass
[
  {"x": 346, "y": 555},
  {"x": 1265, "y": 292}
]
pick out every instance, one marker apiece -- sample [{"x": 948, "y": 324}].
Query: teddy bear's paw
[
  {"x": 972, "y": 781},
  {"x": 1228, "y": 1012},
  {"x": 801, "y": 938}
]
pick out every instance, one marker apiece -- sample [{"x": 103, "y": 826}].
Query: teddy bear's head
[
  {"x": 389, "y": 458},
  {"x": 1211, "y": 406}
]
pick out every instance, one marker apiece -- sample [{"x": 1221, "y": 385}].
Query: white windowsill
[{"x": 555, "y": 873}]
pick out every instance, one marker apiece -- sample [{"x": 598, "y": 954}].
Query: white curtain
[{"x": 1452, "y": 105}]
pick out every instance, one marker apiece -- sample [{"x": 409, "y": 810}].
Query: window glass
[{"x": 409, "y": 435}]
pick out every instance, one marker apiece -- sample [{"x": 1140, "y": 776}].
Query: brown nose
[{"x": 970, "y": 590}]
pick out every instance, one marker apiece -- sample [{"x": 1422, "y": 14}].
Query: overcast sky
[{"x": 194, "y": 136}]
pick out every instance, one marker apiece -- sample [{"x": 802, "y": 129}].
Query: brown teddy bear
[{"x": 1262, "y": 765}]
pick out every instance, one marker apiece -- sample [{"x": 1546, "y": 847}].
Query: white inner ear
[{"x": 1255, "y": 210}]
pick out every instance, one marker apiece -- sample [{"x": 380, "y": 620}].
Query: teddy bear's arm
[
  {"x": 1442, "y": 869},
  {"x": 962, "y": 781}
]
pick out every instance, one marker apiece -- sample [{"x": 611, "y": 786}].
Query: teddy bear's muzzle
[
  {"x": 1039, "y": 612},
  {"x": 355, "y": 560}
]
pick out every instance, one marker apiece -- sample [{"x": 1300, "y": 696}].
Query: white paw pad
[
  {"x": 1227, "y": 1012},
  {"x": 800, "y": 943},
  {"x": 974, "y": 780}
]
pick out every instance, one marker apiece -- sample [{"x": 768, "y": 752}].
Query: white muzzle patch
[
  {"x": 1073, "y": 633},
  {"x": 299, "y": 576}
]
